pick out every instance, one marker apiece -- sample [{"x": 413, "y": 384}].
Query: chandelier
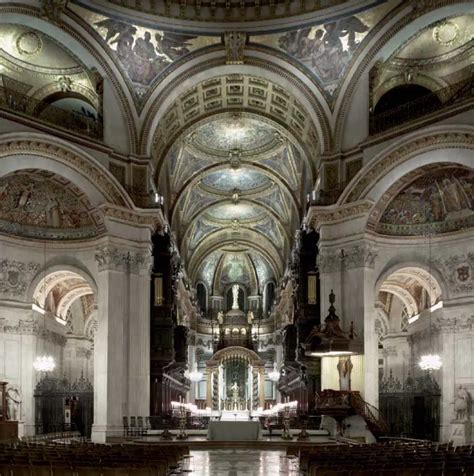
[
  {"x": 274, "y": 375},
  {"x": 44, "y": 363},
  {"x": 430, "y": 362}
]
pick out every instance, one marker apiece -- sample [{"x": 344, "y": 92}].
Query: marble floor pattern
[{"x": 240, "y": 462}]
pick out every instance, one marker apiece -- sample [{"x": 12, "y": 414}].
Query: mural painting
[{"x": 438, "y": 202}]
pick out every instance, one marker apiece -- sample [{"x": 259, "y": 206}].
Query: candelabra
[
  {"x": 286, "y": 424},
  {"x": 303, "y": 434},
  {"x": 182, "y": 435}
]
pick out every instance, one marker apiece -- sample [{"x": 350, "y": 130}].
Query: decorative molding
[
  {"x": 32, "y": 327},
  {"x": 318, "y": 216},
  {"x": 150, "y": 217},
  {"x": 457, "y": 270},
  {"x": 52, "y": 9},
  {"x": 376, "y": 170},
  {"x": 356, "y": 256},
  {"x": 15, "y": 277},
  {"x": 117, "y": 259},
  {"x": 462, "y": 323}
]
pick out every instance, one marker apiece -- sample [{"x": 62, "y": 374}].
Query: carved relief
[
  {"x": 457, "y": 270},
  {"x": 31, "y": 327},
  {"x": 111, "y": 258},
  {"x": 15, "y": 277},
  {"x": 234, "y": 46}
]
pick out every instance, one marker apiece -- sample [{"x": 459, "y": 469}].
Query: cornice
[
  {"x": 152, "y": 218},
  {"x": 318, "y": 216}
]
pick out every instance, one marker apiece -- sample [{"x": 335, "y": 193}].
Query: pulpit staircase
[{"x": 343, "y": 404}]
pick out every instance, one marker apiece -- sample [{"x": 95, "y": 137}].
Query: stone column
[
  {"x": 209, "y": 388},
  {"x": 139, "y": 335},
  {"x": 110, "y": 351},
  {"x": 261, "y": 386}
]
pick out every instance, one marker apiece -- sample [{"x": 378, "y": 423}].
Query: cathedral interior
[{"x": 236, "y": 235}]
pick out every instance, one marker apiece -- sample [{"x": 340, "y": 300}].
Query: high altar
[{"x": 235, "y": 373}]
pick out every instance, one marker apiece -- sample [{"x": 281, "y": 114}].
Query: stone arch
[
  {"x": 404, "y": 21},
  {"x": 408, "y": 154},
  {"x": 75, "y": 35},
  {"x": 20, "y": 151},
  {"x": 235, "y": 352},
  {"x": 291, "y": 80}
]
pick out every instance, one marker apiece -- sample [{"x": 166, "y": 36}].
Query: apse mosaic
[
  {"x": 327, "y": 49},
  {"x": 235, "y": 269},
  {"x": 144, "y": 53},
  {"x": 41, "y": 204},
  {"x": 234, "y": 133},
  {"x": 244, "y": 179},
  {"x": 438, "y": 202}
]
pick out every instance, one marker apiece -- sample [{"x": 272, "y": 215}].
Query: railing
[
  {"x": 370, "y": 413},
  {"x": 72, "y": 121},
  {"x": 422, "y": 106}
]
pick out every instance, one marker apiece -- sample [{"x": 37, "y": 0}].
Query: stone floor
[{"x": 240, "y": 462}]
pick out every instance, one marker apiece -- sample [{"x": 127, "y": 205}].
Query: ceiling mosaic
[
  {"x": 441, "y": 201},
  {"x": 143, "y": 53},
  {"x": 327, "y": 49},
  {"x": 243, "y": 179},
  {"x": 235, "y": 211},
  {"x": 39, "y": 204},
  {"x": 234, "y": 132}
]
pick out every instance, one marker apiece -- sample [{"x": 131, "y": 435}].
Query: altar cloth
[{"x": 234, "y": 430}]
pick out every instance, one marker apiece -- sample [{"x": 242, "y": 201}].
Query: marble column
[
  {"x": 139, "y": 335},
  {"x": 261, "y": 387},
  {"x": 121, "y": 347}
]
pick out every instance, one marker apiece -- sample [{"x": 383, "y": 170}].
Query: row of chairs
[
  {"x": 410, "y": 459},
  {"x": 136, "y": 426},
  {"x": 79, "y": 459}
]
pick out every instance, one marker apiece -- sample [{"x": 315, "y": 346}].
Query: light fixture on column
[
  {"x": 430, "y": 362},
  {"x": 44, "y": 363},
  {"x": 274, "y": 375}
]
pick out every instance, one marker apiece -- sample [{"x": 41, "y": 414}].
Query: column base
[
  {"x": 461, "y": 432},
  {"x": 101, "y": 433}
]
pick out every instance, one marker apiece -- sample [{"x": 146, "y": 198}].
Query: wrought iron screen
[{"x": 411, "y": 409}]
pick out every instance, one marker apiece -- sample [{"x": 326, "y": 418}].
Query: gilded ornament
[{"x": 446, "y": 33}]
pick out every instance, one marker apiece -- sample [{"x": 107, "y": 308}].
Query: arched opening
[
  {"x": 403, "y": 95},
  {"x": 201, "y": 292}
]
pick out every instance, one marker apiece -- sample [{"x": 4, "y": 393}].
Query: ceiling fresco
[
  {"x": 143, "y": 53},
  {"x": 327, "y": 49},
  {"x": 235, "y": 211},
  {"x": 438, "y": 202},
  {"x": 41, "y": 204}
]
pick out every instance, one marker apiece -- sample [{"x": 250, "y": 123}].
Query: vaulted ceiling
[{"x": 235, "y": 186}]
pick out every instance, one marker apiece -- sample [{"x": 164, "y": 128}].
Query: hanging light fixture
[
  {"x": 274, "y": 375},
  {"x": 430, "y": 362},
  {"x": 44, "y": 363}
]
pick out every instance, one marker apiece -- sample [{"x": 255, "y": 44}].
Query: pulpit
[{"x": 8, "y": 429}]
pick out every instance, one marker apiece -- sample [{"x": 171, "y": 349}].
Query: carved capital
[
  {"x": 110, "y": 258},
  {"x": 360, "y": 256},
  {"x": 141, "y": 262},
  {"x": 329, "y": 261}
]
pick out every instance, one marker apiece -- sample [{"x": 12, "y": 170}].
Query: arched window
[
  {"x": 269, "y": 296},
  {"x": 404, "y": 94},
  {"x": 201, "y": 292}
]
